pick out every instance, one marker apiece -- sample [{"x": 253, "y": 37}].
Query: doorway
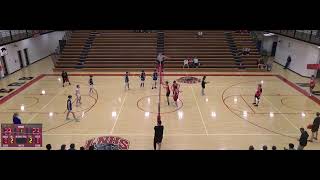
[
  {"x": 4, "y": 65},
  {"x": 26, "y": 56},
  {"x": 20, "y": 59}
]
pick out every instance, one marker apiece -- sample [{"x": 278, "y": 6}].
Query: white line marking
[
  {"x": 194, "y": 96},
  {"x": 169, "y": 134},
  {"x": 114, "y": 125},
  {"x": 45, "y": 105},
  {"x": 281, "y": 113}
]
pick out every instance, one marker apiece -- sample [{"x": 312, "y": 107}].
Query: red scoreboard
[{"x": 21, "y": 135}]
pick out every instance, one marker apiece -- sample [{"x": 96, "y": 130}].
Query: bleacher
[
  {"x": 129, "y": 50},
  {"x": 244, "y": 40}
]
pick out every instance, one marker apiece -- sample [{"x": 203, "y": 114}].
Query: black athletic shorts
[
  {"x": 158, "y": 139},
  {"x": 168, "y": 94}
]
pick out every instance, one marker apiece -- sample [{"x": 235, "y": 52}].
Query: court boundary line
[
  {"x": 293, "y": 125},
  {"x": 20, "y": 89},
  {"x": 194, "y": 96},
  {"x": 117, "y": 118}
]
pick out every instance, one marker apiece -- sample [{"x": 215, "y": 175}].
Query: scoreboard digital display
[{"x": 21, "y": 135}]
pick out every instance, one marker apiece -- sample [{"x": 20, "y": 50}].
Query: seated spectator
[
  {"x": 260, "y": 63},
  {"x": 72, "y": 147},
  {"x": 264, "y": 147},
  {"x": 186, "y": 62},
  {"x": 196, "y": 62},
  {"x": 16, "y": 119},
  {"x": 190, "y": 61},
  {"x": 251, "y": 147},
  {"x": 274, "y": 148},
  {"x": 245, "y": 51},
  {"x": 48, "y": 146},
  {"x": 63, "y": 147},
  {"x": 269, "y": 64},
  {"x": 199, "y": 34},
  {"x": 81, "y": 148},
  {"x": 291, "y": 147}
]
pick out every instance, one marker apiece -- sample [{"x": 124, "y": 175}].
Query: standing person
[
  {"x": 126, "y": 81},
  {"x": 257, "y": 95},
  {"x": 16, "y": 119},
  {"x": 154, "y": 78},
  {"x": 312, "y": 84},
  {"x": 203, "y": 85},
  {"x": 288, "y": 62},
  {"x": 48, "y": 147},
  {"x": 65, "y": 78},
  {"x": 72, "y": 147},
  {"x": 158, "y": 135},
  {"x": 142, "y": 78},
  {"x": 167, "y": 91},
  {"x": 160, "y": 60},
  {"x": 69, "y": 108},
  {"x": 176, "y": 95},
  {"x": 63, "y": 147},
  {"x": 315, "y": 127},
  {"x": 90, "y": 85},
  {"x": 78, "y": 96},
  {"x": 303, "y": 141}
]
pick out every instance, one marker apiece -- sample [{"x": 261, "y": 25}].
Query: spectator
[
  {"x": 72, "y": 147},
  {"x": 160, "y": 59},
  {"x": 315, "y": 127},
  {"x": 199, "y": 34},
  {"x": 158, "y": 135},
  {"x": 303, "y": 141},
  {"x": 288, "y": 62},
  {"x": 251, "y": 147},
  {"x": 274, "y": 148},
  {"x": 48, "y": 146},
  {"x": 196, "y": 62},
  {"x": 260, "y": 63},
  {"x": 186, "y": 62},
  {"x": 63, "y": 147},
  {"x": 269, "y": 65},
  {"x": 16, "y": 119},
  {"x": 91, "y": 147},
  {"x": 264, "y": 147},
  {"x": 81, "y": 148},
  {"x": 291, "y": 147}
]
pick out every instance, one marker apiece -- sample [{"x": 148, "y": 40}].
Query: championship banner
[{"x": 313, "y": 66}]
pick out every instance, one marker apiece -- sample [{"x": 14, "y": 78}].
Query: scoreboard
[{"x": 21, "y": 135}]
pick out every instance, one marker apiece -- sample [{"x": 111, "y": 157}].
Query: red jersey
[
  {"x": 175, "y": 94},
  {"x": 174, "y": 87},
  {"x": 312, "y": 83},
  {"x": 258, "y": 92}
]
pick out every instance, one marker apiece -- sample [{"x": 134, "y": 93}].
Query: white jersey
[{"x": 77, "y": 91}]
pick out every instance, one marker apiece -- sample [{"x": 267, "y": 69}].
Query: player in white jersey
[{"x": 78, "y": 96}]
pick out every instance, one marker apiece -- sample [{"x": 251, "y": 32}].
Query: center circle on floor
[{"x": 150, "y": 104}]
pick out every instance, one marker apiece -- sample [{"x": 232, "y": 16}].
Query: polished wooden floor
[{"x": 222, "y": 119}]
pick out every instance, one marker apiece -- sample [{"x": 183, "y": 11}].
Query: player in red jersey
[
  {"x": 312, "y": 84},
  {"x": 257, "y": 95},
  {"x": 175, "y": 90}
]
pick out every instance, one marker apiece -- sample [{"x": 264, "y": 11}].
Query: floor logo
[
  {"x": 189, "y": 80},
  {"x": 108, "y": 143}
]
